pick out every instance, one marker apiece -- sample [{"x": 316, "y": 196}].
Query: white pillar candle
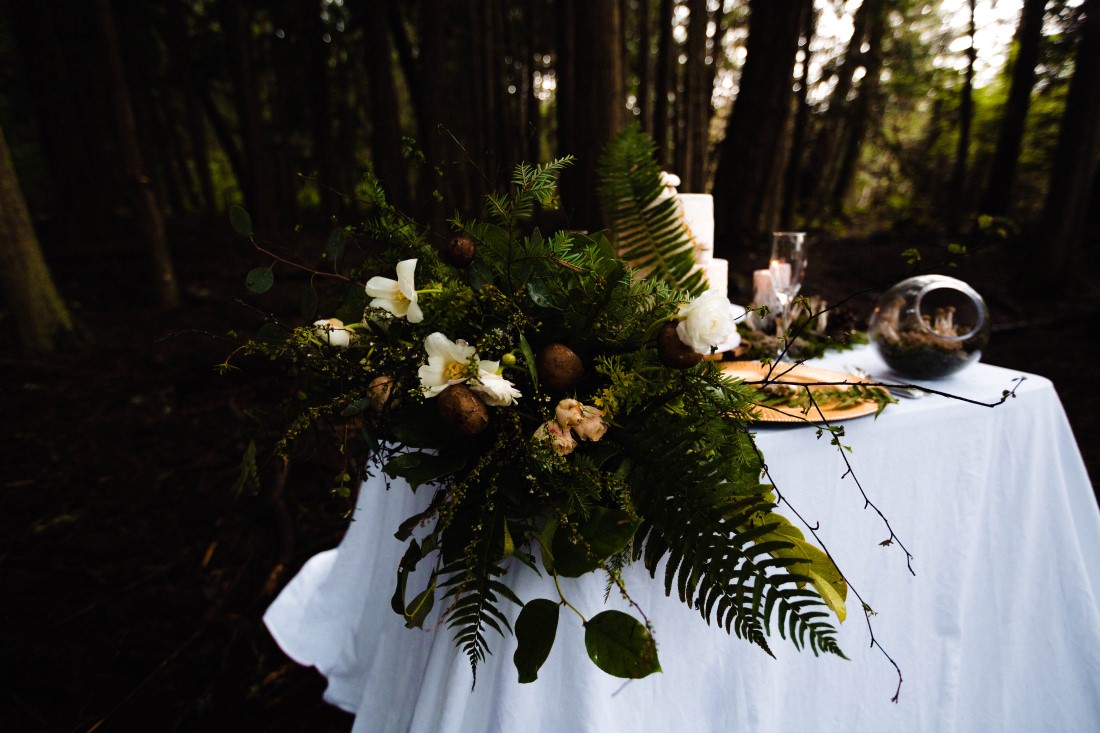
[
  {"x": 718, "y": 274},
  {"x": 762, "y": 293},
  {"x": 780, "y": 273},
  {"x": 698, "y": 212}
]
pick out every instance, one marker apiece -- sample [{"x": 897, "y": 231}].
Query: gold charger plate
[{"x": 754, "y": 371}]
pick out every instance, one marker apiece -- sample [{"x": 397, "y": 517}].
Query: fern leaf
[{"x": 649, "y": 231}]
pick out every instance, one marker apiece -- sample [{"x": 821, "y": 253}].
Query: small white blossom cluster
[
  {"x": 570, "y": 416},
  {"x": 451, "y": 362}
]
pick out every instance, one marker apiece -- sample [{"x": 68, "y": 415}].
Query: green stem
[{"x": 567, "y": 603}]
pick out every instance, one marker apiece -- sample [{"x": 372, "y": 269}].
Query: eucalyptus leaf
[
  {"x": 334, "y": 247},
  {"x": 620, "y": 645},
  {"x": 355, "y": 407},
  {"x": 421, "y": 468},
  {"x": 259, "y": 279},
  {"x": 529, "y": 358},
  {"x": 309, "y": 303},
  {"x": 240, "y": 221},
  {"x": 421, "y": 606},
  {"x": 536, "y": 628},
  {"x": 539, "y": 294}
]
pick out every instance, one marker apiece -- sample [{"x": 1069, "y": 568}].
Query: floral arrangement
[{"x": 559, "y": 411}]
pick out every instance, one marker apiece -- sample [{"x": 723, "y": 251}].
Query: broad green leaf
[
  {"x": 509, "y": 544},
  {"x": 620, "y": 645},
  {"x": 240, "y": 221},
  {"x": 270, "y": 333},
  {"x": 421, "y": 468},
  {"x": 606, "y": 531},
  {"x": 529, "y": 357},
  {"x": 309, "y": 303},
  {"x": 536, "y": 627},
  {"x": 334, "y": 247},
  {"x": 421, "y": 606},
  {"x": 546, "y": 541},
  {"x": 539, "y": 295},
  {"x": 412, "y": 556},
  {"x": 260, "y": 279},
  {"x": 355, "y": 407}
]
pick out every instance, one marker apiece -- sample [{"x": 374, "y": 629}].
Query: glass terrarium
[{"x": 930, "y": 326}]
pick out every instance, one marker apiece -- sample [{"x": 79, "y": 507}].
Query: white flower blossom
[
  {"x": 494, "y": 390},
  {"x": 448, "y": 363},
  {"x": 332, "y": 332},
  {"x": 705, "y": 322},
  {"x": 397, "y": 296}
]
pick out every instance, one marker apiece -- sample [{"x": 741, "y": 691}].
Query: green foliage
[
  {"x": 536, "y": 627},
  {"x": 620, "y": 645},
  {"x": 648, "y": 230},
  {"x": 671, "y": 472}
]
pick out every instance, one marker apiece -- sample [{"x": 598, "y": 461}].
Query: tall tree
[
  {"x": 258, "y": 183},
  {"x": 146, "y": 208},
  {"x": 663, "y": 82},
  {"x": 956, "y": 204},
  {"x": 1024, "y": 57},
  {"x": 793, "y": 174},
  {"x": 691, "y": 155},
  {"x": 1057, "y": 262},
  {"x": 832, "y": 132},
  {"x": 40, "y": 314},
  {"x": 751, "y": 156},
  {"x": 864, "y": 109},
  {"x": 597, "y": 85}
]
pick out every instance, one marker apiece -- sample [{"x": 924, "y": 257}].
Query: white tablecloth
[{"x": 998, "y": 630}]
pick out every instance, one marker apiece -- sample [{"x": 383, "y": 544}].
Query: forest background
[{"x": 966, "y": 129}]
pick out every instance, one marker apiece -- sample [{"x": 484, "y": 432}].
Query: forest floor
[{"x": 134, "y": 580}]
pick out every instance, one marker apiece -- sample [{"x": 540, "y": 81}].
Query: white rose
[
  {"x": 495, "y": 390},
  {"x": 705, "y": 322},
  {"x": 332, "y": 332}
]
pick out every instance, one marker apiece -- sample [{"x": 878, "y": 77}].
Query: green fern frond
[
  {"x": 648, "y": 230},
  {"x": 710, "y": 522},
  {"x": 474, "y": 606}
]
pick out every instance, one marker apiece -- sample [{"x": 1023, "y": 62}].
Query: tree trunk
[
  {"x": 259, "y": 183},
  {"x": 385, "y": 140},
  {"x": 1002, "y": 173},
  {"x": 645, "y": 81},
  {"x": 956, "y": 205},
  {"x": 1074, "y": 171},
  {"x": 793, "y": 174},
  {"x": 663, "y": 83},
  {"x": 39, "y": 312},
  {"x": 599, "y": 89},
  {"x": 864, "y": 110},
  {"x": 146, "y": 209},
  {"x": 320, "y": 106},
  {"x": 750, "y": 162},
  {"x": 697, "y": 96}
]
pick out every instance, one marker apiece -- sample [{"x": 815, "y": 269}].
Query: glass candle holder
[{"x": 930, "y": 326}]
